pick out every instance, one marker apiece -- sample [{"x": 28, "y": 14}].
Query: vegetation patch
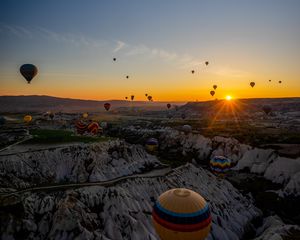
[{"x": 47, "y": 136}]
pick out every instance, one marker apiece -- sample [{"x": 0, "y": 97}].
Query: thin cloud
[
  {"x": 18, "y": 31},
  {"x": 184, "y": 61},
  {"x": 119, "y": 46},
  {"x": 76, "y": 40},
  {"x": 227, "y": 71}
]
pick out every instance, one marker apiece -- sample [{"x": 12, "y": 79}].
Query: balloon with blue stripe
[
  {"x": 220, "y": 165},
  {"x": 181, "y": 213},
  {"x": 151, "y": 144}
]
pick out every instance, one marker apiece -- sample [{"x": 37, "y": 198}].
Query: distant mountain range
[{"x": 35, "y": 103}]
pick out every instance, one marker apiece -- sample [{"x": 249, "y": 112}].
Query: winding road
[{"x": 4, "y": 196}]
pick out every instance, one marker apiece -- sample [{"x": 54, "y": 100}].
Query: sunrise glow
[{"x": 228, "y": 98}]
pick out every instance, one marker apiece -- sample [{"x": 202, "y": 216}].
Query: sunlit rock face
[
  {"x": 75, "y": 163},
  {"x": 174, "y": 144},
  {"x": 123, "y": 211},
  {"x": 273, "y": 228}
]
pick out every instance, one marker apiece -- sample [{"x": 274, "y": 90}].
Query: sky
[{"x": 157, "y": 44}]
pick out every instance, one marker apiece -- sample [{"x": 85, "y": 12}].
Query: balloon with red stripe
[
  {"x": 93, "y": 128},
  {"x": 80, "y": 127},
  {"x": 181, "y": 213}
]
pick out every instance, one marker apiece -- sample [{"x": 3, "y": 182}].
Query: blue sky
[{"x": 156, "y": 42}]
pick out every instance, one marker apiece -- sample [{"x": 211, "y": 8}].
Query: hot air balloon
[
  {"x": 107, "y": 106},
  {"x": 93, "y": 128},
  {"x": 206, "y": 63},
  {"x": 212, "y": 93},
  {"x": 85, "y": 115},
  {"x": 80, "y": 127},
  {"x": 149, "y": 98},
  {"x": 146, "y": 94},
  {"x": 252, "y": 84},
  {"x": 182, "y": 214},
  {"x": 103, "y": 125},
  {"x": 27, "y": 118},
  {"x": 267, "y": 109},
  {"x": 114, "y": 59},
  {"x": 127, "y": 76},
  {"x": 51, "y": 115},
  {"x": 151, "y": 144},
  {"x": 193, "y": 71},
  {"x": 220, "y": 165},
  {"x": 279, "y": 81},
  {"x": 29, "y": 71},
  {"x": 270, "y": 80},
  {"x": 215, "y": 87},
  {"x": 186, "y": 129},
  {"x": 168, "y": 105},
  {"x": 126, "y": 98},
  {"x": 132, "y": 97},
  {"x": 2, "y": 120}
]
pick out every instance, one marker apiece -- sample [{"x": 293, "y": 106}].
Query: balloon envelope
[
  {"x": 107, "y": 106},
  {"x": 212, "y": 93},
  {"x": 252, "y": 84},
  {"x": 2, "y": 120},
  {"x": 151, "y": 144},
  {"x": 186, "y": 129},
  {"x": 220, "y": 164},
  {"x": 168, "y": 105},
  {"x": 181, "y": 214},
  {"x": 215, "y": 87},
  {"x": 28, "y": 71},
  {"x": 27, "y": 118},
  {"x": 93, "y": 128},
  {"x": 80, "y": 127},
  {"x": 267, "y": 109}
]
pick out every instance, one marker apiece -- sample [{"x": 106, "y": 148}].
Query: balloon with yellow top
[
  {"x": 27, "y": 118},
  {"x": 183, "y": 214}
]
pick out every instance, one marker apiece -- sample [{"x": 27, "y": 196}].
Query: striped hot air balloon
[
  {"x": 80, "y": 127},
  {"x": 152, "y": 144},
  {"x": 181, "y": 214},
  {"x": 220, "y": 165},
  {"x": 93, "y": 128}
]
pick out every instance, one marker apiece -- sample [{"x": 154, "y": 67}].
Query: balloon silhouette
[
  {"x": 107, "y": 106},
  {"x": 28, "y": 71}
]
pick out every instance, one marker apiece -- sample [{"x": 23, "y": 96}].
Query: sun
[{"x": 228, "y": 97}]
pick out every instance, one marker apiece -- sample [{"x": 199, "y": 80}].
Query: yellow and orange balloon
[
  {"x": 27, "y": 118},
  {"x": 183, "y": 214}
]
